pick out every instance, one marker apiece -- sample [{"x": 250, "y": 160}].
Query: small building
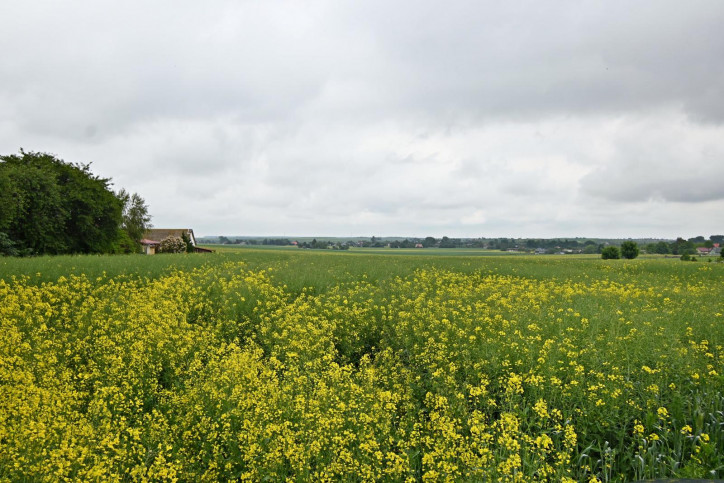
[
  {"x": 153, "y": 237},
  {"x": 149, "y": 246},
  {"x": 418, "y": 245},
  {"x": 702, "y": 251}
]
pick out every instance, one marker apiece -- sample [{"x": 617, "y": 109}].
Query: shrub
[
  {"x": 629, "y": 250},
  {"x": 610, "y": 253},
  {"x": 7, "y": 246},
  {"x": 172, "y": 244}
]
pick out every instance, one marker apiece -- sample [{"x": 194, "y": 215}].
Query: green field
[{"x": 265, "y": 364}]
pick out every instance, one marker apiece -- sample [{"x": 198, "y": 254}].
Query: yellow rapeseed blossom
[{"x": 562, "y": 370}]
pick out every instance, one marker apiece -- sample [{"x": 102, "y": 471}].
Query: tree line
[
  {"x": 250, "y": 241},
  {"x": 49, "y": 206}
]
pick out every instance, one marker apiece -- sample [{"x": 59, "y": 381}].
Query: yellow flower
[{"x": 541, "y": 409}]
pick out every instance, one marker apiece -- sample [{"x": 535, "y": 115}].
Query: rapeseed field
[{"x": 269, "y": 366}]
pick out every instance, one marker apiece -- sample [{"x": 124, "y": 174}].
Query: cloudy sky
[{"x": 410, "y": 118}]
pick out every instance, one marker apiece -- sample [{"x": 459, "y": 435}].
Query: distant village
[{"x": 697, "y": 246}]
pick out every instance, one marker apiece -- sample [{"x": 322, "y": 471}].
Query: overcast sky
[{"x": 409, "y": 118}]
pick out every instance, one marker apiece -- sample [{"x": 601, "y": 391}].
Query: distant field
[
  {"x": 420, "y": 252},
  {"x": 373, "y": 364}
]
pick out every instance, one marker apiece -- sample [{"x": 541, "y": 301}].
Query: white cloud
[{"x": 342, "y": 118}]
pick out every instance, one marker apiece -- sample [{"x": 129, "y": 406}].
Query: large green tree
[
  {"x": 135, "y": 219},
  {"x": 50, "y": 206},
  {"x": 33, "y": 213}
]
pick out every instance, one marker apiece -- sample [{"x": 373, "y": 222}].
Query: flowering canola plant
[{"x": 439, "y": 374}]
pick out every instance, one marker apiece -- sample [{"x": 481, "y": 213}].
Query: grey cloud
[
  {"x": 330, "y": 117},
  {"x": 684, "y": 189},
  {"x": 666, "y": 158}
]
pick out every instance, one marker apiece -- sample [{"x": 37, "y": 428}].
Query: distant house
[
  {"x": 418, "y": 245},
  {"x": 703, "y": 251},
  {"x": 150, "y": 246},
  {"x": 153, "y": 237}
]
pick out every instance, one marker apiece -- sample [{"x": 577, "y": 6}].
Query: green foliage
[
  {"x": 682, "y": 247},
  {"x": 34, "y": 215},
  {"x": 124, "y": 243},
  {"x": 7, "y": 246},
  {"x": 187, "y": 240},
  {"x": 591, "y": 249},
  {"x": 50, "y": 206},
  {"x": 135, "y": 219},
  {"x": 662, "y": 248},
  {"x": 610, "y": 253},
  {"x": 629, "y": 250}
]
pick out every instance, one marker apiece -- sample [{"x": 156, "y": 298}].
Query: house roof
[
  {"x": 146, "y": 241},
  {"x": 158, "y": 234}
]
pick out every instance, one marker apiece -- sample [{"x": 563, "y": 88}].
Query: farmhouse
[{"x": 153, "y": 237}]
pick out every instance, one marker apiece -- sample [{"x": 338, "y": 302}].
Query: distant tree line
[
  {"x": 528, "y": 245},
  {"x": 250, "y": 241},
  {"x": 324, "y": 245},
  {"x": 684, "y": 247},
  {"x": 48, "y": 206}
]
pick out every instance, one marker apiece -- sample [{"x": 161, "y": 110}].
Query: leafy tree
[
  {"x": 172, "y": 244},
  {"x": 446, "y": 242},
  {"x": 124, "y": 244},
  {"x": 8, "y": 195},
  {"x": 717, "y": 239},
  {"x": 591, "y": 249},
  {"x": 94, "y": 210},
  {"x": 611, "y": 253},
  {"x": 629, "y": 250},
  {"x": 7, "y": 247},
  {"x": 187, "y": 241},
  {"x": 681, "y": 247},
  {"x": 34, "y": 215},
  {"x": 50, "y": 206},
  {"x": 429, "y": 242},
  {"x": 136, "y": 220},
  {"x": 662, "y": 248}
]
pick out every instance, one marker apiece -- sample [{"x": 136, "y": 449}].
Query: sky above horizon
[{"x": 410, "y": 118}]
